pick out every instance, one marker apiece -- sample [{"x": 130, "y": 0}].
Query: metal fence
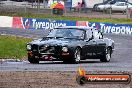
[
  {"x": 39, "y": 7},
  {"x": 11, "y": 6}
]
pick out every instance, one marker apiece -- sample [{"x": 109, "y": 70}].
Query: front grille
[
  {"x": 34, "y": 48},
  {"x": 49, "y": 49}
]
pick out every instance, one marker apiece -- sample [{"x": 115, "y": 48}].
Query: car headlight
[
  {"x": 64, "y": 49},
  {"x": 28, "y": 47}
]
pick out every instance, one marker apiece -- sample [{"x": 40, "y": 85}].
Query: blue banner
[
  {"x": 112, "y": 28},
  {"x": 30, "y": 23},
  {"x": 35, "y": 23}
]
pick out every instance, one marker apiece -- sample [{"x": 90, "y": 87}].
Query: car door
[
  {"x": 98, "y": 38},
  {"x": 119, "y": 6},
  {"x": 106, "y": 6},
  {"x": 100, "y": 44},
  {"x": 89, "y": 50},
  {"x": 129, "y": 6},
  {"x": 95, "y": 45}
]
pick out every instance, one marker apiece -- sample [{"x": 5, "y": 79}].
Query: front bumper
[{"x": 49, "y": 56}]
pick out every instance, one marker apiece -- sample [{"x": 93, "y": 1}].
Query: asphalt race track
[{"x": 121, "y": 58}]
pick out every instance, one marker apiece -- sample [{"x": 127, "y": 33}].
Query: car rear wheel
[
  {"x": 33, "y": 60},
  {"x": 106, "y": 56}
]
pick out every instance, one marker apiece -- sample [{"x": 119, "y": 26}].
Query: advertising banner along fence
[
  {"x": 36, "y": 23},
  {"x": 112, "y": 28},
  {"x": 108, "y": 27},
  {"x": 32, "y": 23}
]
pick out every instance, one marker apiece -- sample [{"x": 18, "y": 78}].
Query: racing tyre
[
  {"x": 33, "y": 60},
  {"x": 106, "y": 56}
]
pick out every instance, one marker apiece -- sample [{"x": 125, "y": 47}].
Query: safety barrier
[
  {"x": 36, "y": 23},
  {"x": 6, "y": 21}
]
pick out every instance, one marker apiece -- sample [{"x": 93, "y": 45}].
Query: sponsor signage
[
  {"x": 83, "y": 78},
  {"x": 112, "y": 28},
  {"x": 108, "y": 27},
  {"x": 35, "y": 23},
  {"x": 32, "y": 23}
]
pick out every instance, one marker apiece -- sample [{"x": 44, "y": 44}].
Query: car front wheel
[
  {"x": 77, "y": 55},
  {"x": 106, "y": 56}
]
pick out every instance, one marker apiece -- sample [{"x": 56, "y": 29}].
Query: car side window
[
  {"x": 120, "y": 4},
  {"x": 112, "y": 2}
]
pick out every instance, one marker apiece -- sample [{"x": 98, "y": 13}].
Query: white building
[{"x": 90, "y": 3}]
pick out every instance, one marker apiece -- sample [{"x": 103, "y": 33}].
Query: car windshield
[{"x": 67, "y": 33}]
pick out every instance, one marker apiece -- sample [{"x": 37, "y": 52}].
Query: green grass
[
  {"x": 13, "y": 46},
  {"x": 31, "y": 15}
]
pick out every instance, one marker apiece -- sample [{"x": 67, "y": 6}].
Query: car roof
[{"x": 76, "y": 27}]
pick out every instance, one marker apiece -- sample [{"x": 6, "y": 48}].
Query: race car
[{"x": 71, "y": 45}]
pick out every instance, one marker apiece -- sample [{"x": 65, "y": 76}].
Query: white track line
[{"x": 124, "y": 48}]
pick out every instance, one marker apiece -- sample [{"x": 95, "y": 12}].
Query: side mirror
[{"x": 90, "y": 39}]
